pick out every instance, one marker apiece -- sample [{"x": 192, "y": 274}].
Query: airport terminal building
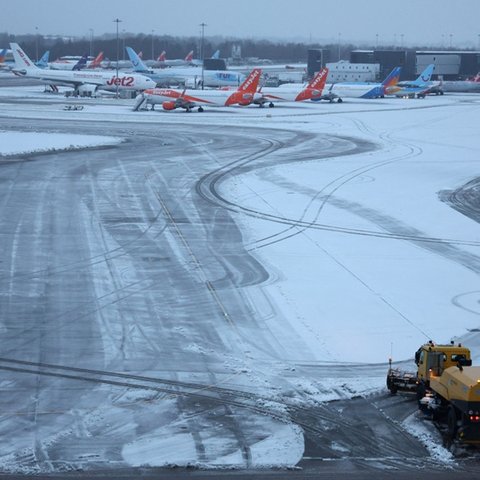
[{"x": 373, "y": 65}]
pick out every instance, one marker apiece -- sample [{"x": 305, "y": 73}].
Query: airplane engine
[
  {"x": 87, "y": 90},
  {"x": 169, "y": 105}
]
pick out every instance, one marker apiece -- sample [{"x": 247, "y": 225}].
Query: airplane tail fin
[
  {"x": 96, "y": 61},
  {"x": 189, "y": 56},
  {"x": 245, "y": 93},
  {"x": 216, "y": 54},
  {"x": 22, "y": 60},
  {"x": 43, "y": 62},
  {"x": 162, "y": 57},
  {"x": 137, "y": 63},
  {"x": 319, "y": 80},
  {"x": 392, "y": 78},
  {"x": 250, "y": 84},
  {"x": 3, "y": 54},
  {"x": 140, "y": 54},
  {"x": 425, "y": 76},
  {"x": 82, "y": 63},
  {"x": 315, "y": 87}
]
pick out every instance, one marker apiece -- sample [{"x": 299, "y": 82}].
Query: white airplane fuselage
[
  {"x": 104, "y": 80},
  {"x": 215, "y": 98},
  {"x": 194, "y": 76}
]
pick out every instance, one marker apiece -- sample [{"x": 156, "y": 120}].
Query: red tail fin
[
  {"x": 315, "y": 87},
  {"x": 189, "y": 56},
  {"x": 162, "y": 57},
  {"x": 97, "y": 61},
  {"x": 245, "y": 93},
  {"x": 250, "y": 84},
  {"x": 140, "y": 54},
  {"x": 319, "y": 80}
]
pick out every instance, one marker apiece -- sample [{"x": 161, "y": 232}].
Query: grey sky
[{"x": 427, "y": 22}]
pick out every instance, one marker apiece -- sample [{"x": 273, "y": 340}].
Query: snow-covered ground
[
  {"x": 14, "y": 143},
  {"x": 358, "y": 295},
  {"x": 384, "y": 266}
]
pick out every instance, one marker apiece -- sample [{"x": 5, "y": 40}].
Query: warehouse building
[{"x": 449, "y": 64}]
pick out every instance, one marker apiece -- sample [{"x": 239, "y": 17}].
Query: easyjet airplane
[
  {"x": 293, "y": 93},
  {"x": 170, "y": 98}
]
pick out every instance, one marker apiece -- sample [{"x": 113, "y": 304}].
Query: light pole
[
  {"x": 117, "y": 21},
  {"x": 153, "y": 57},
  {"x": 91, "y": 41},
  {"x": 36, "y": 43},
  {"x": 376, "y": 41},
  {"x": 339, "y": 37},
  {"x": 401, "y": 40},
  {"x": 123, "y": 38},
  {"x": 203, "y": 25},
  {"x": 451, "y": 35}
]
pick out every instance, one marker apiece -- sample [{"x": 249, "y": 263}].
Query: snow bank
[
  {"x": 15, "y": 143},
  {"x": 429, "y": 437}
]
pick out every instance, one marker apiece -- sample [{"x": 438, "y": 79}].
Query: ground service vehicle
[{"x": 447, "y": 388}]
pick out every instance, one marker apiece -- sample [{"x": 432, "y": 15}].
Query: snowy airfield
[{"x": 365, "y": 259}]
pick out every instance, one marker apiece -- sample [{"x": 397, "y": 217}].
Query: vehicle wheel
[
  {"x": 200, "y": 109},
  {"x": 421, "y": 390},
  {"x": 340, "y": 100},
  {"x": 271, "y": 105},
  {"x": 452, "y": 419}
]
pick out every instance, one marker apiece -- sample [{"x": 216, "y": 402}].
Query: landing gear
[
  {"x": 200, "y": 109},
  {"x": 339, "y": 100},
  {"x": 271, "y": 105}
]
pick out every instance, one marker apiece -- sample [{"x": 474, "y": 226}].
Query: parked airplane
[
  {"x": 170, "y": 99},
  {"x": 5, "y": 65},
  {"x": 3, "y": 56},
  {"x": 163, "y": 62},
  {"x": 83, "y": 82},
  {"x": 188, "y": 76},
  {"x": 419, "y": 87},
  {"x": 294, "y": 92},
  {"x": 96, "y": 62},
  {"x": 43, "y": 62},
  {"x": 359, "y": 89},
  {"x": 472, "y": 85}
]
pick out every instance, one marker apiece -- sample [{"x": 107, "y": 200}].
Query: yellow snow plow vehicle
[{"x": 447, "y": 387}]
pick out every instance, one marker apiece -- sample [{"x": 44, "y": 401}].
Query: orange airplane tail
[
  {"x": 246, "y": 91},
  {"x": 315, "y": 87},
  {"x": 96, "y": 61}
]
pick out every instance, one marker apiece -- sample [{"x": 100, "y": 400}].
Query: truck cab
[{"x": 432, "y": 359}]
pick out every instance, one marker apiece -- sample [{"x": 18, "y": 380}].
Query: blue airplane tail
[
  {"x": 137, "y": 63},
  {"x": 216, "y": 54},
  {"x": 43, "y": 62},
  {"x": 425, "y": 76},
  {"x": 3, "y": 54},
  {"x": 82, "y": 63}
]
